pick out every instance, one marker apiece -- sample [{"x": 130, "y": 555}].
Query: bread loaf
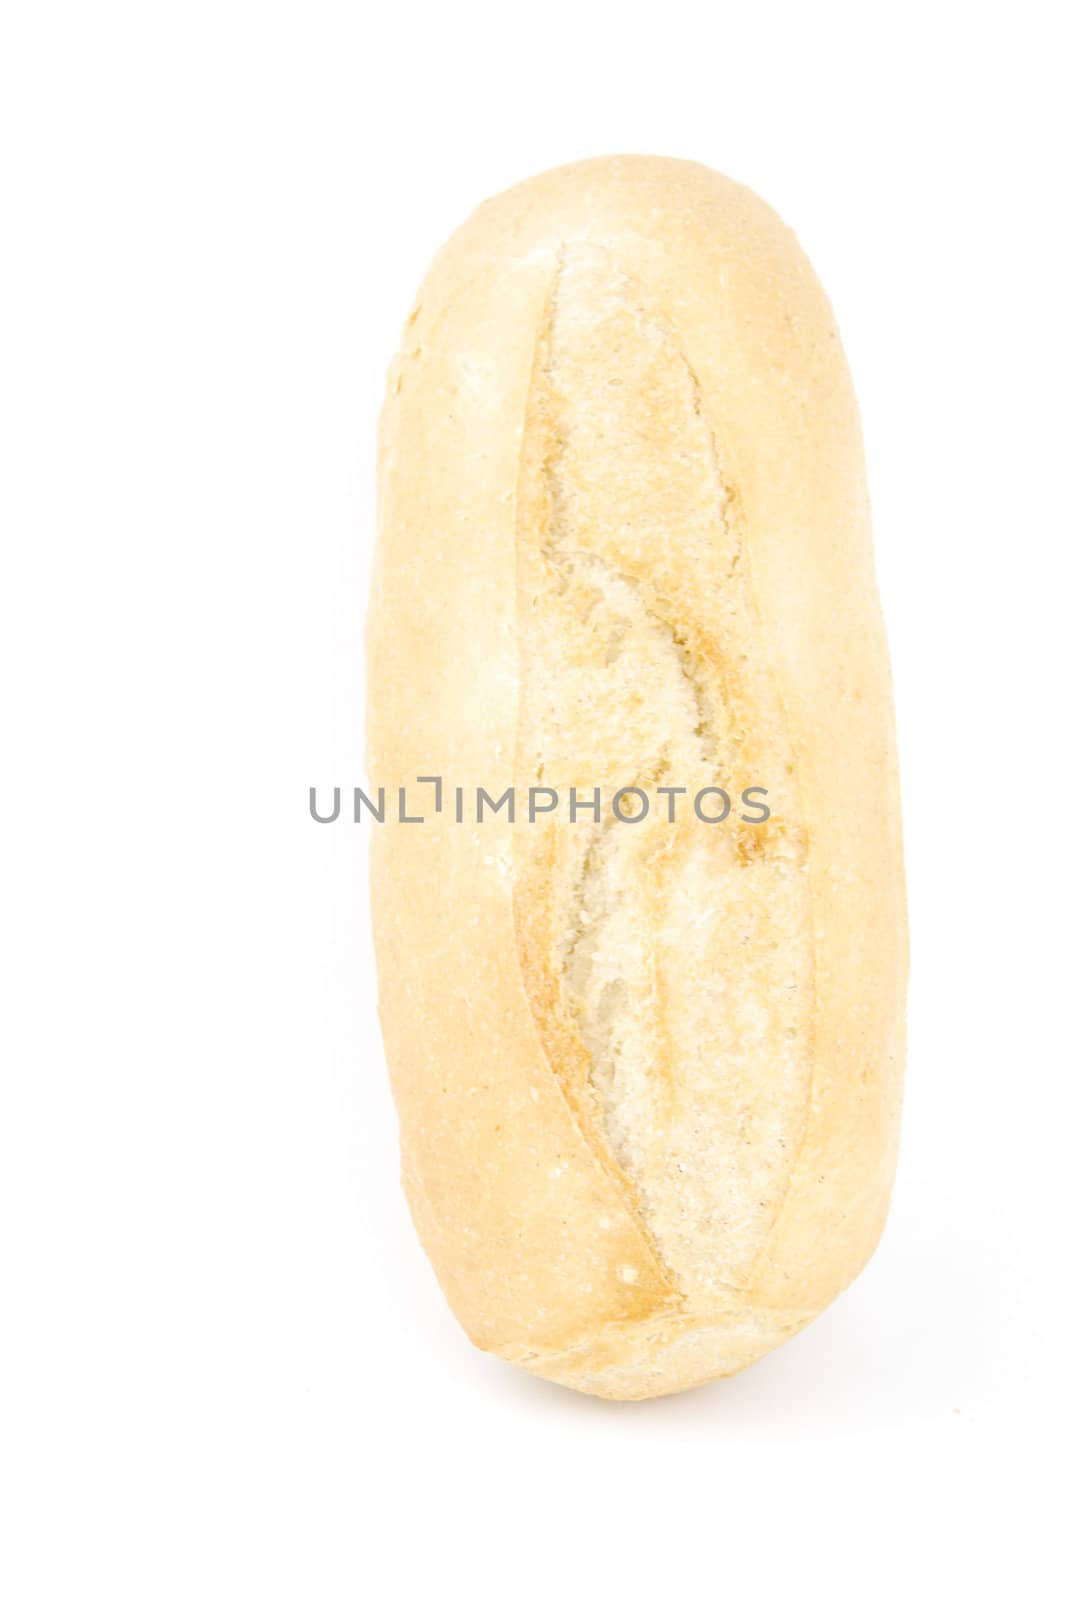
[{"x": 647, "y": 1071}]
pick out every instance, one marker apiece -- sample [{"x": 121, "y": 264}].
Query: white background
[{"x": 227, "y": 1369}]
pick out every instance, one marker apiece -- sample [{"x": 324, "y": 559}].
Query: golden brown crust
[{"x": 647, "y": 1075}]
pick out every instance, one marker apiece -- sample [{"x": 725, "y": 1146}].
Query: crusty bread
[{"x": 647, "y": 1072}]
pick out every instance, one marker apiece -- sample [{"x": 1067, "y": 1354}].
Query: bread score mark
[{"x": 669, "y": 968}]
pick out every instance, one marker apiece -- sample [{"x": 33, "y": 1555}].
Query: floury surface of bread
[{"x": 647, "y": 1072}]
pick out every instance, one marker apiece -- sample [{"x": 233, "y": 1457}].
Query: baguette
[{"x": 647, "y": 1071}]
